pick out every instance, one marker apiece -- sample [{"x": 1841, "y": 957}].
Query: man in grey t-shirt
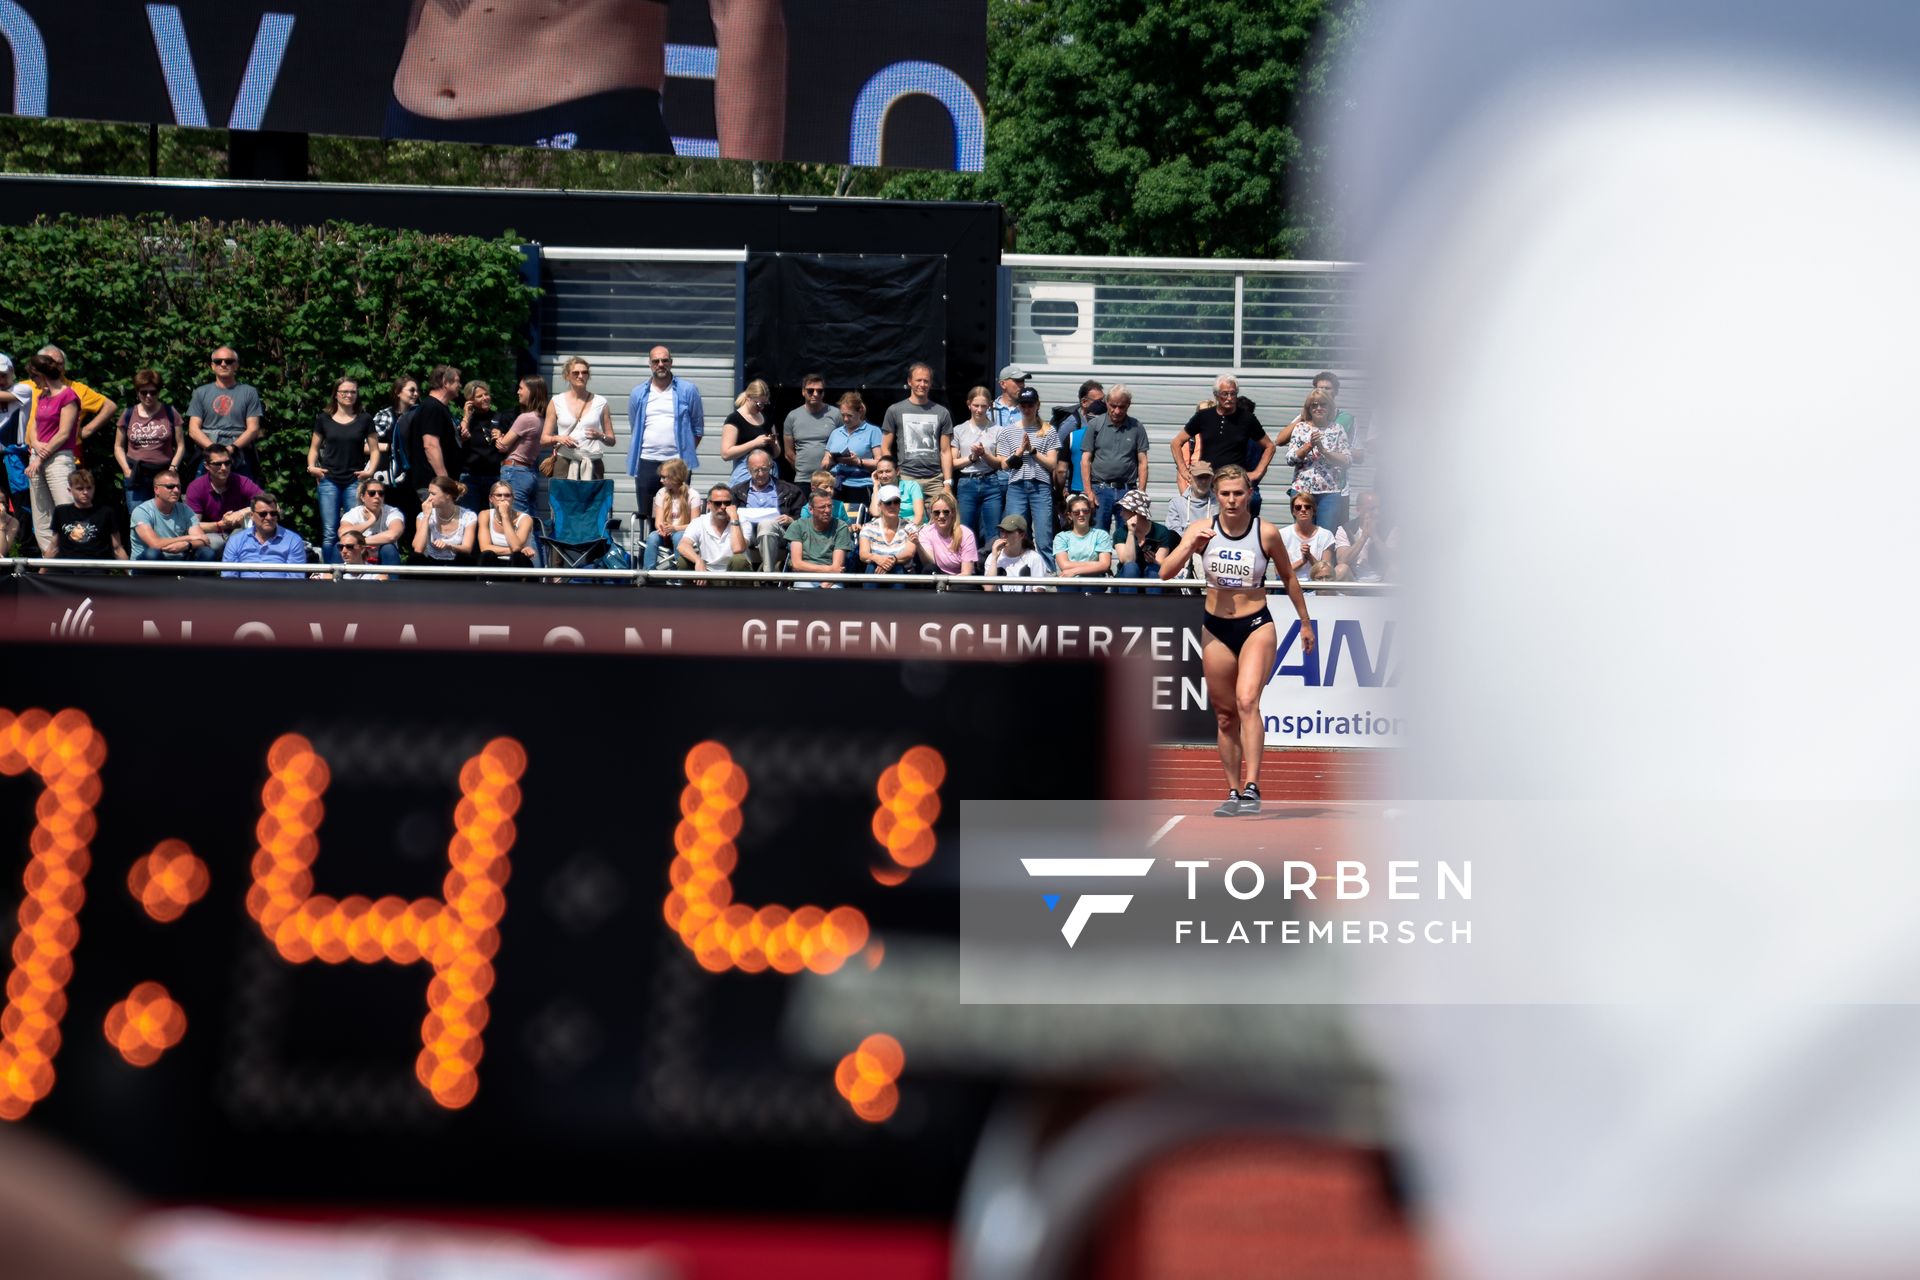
[
  {"x": 1113, "y": 458},
  {"x": 916, "y": 431},
  {"x": 226, "y": 411},
  {"x": 807, "y": 429}
]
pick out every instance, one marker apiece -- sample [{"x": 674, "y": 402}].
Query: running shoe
[
  {"x": 1230, "y": 807},
  {"x": 1250, "y": 798}
]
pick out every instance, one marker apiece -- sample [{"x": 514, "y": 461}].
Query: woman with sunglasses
[
  {"x": 379, "y": 525},
  {"x": 508, "y": 540},
  {"x": 1320, "y": 452},
  {"x": 444, "y": 532},
  {"x": 577, "y": 427},
  {"x": 147, "y": 439},
  {"x": 341, "y": 454},
  {"x": 946, "y": 544},
  {"x": 1080, "y": 550},
  {"x": 889, "y": 544},
  {"x": 1235, "y": 548},
  {"x": 1307, "y": 542}
]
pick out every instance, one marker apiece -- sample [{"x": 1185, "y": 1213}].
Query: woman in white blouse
[{"x": 577, "y": 428}]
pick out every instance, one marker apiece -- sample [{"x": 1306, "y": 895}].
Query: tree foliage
[
  {"x": 1161, "y": 127},
  {"x": 304, "y": 306}
]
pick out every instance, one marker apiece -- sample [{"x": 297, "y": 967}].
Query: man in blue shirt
[
  {"x": 1073, "y": 431},
  {"x": 666, "y": 420},
  {"x": 266, "y": 542}
]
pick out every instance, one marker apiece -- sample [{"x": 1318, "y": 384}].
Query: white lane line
[{"x": 1165, "y": 827}]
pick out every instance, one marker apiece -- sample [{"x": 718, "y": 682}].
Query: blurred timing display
[
  {"x": 486, "y": 927},
  {"x": 865, "y": 82}
]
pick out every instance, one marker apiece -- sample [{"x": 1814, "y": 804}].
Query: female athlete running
[{"x": 1238, "y": 651}]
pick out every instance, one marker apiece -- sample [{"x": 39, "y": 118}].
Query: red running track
[{"x": 1193, "y": 773}]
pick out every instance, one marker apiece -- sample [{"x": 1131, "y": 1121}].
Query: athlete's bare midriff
[
  {"x": 501, "y": 57},
  {"x": 1234, "y": 602}
]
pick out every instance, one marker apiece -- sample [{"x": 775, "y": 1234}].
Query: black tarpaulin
[{"x": 858, "y": 320}]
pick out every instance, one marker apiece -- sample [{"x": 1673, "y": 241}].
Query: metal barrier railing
[{"x": 640, "y": 577}]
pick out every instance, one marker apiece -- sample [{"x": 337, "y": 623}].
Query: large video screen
[
  {"x": 555, "y": 928},
  {"x": 865, "y": 82}
]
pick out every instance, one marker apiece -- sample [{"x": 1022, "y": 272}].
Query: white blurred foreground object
[
  {"x": 200, "y": 1245},
  {"x": 1654, "y": 320}
]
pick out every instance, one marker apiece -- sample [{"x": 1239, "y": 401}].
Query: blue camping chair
[{"x": 581, "y": 536}]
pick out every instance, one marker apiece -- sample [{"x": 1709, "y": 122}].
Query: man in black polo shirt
[{"x": 1221, "y": 435}]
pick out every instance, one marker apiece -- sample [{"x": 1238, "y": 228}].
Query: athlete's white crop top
[{"x": 1235, "y": 562}]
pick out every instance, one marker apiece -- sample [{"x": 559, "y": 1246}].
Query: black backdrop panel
[{"x": 858, "y": 320}]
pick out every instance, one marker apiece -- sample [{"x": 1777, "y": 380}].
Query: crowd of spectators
[{"x": 441, "y": 474}]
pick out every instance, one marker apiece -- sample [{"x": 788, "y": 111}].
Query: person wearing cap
[
  {"x": 819, "y": 544},
  {"x": 1006, "y": 410},
  {"x": 913, "y": 498},
  {"x": 1197, "y": 503},
  {"x": 1012, "y": 555},
  {"x": 1113, "y": 459},
  {"x": 1030, "y": 448},
  {"x": 889, "y": 544},
  {"x": 1144, "y": 540}
]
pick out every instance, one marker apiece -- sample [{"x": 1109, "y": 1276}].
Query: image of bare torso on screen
[
  {"x": 583, "y": 73},
  {"x": 503, "y": 56}
]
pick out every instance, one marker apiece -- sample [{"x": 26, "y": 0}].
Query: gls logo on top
[{"x": 1087, "y": 905}]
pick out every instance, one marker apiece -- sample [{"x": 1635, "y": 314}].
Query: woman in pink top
[
  {"x": 946, "y": 545},
  {"x": 56, "y": 420}
]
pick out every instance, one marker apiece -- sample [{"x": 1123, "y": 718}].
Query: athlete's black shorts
[
  {"x": 618, "y": 120},
  {"x": 1233, "y": 632}
]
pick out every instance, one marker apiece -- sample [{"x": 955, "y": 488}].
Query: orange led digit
[
  {"x": 721, "y": 933},
  {"x": 457, "y": 937},
  {"x": 66, "y": 753}
]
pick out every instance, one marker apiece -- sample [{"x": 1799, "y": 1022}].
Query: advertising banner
[
  {"x": 1341, "y": 695},
  {"x": 864, "y": 82}
]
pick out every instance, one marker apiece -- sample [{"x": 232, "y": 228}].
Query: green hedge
[{"x": 303, "y": 305}]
